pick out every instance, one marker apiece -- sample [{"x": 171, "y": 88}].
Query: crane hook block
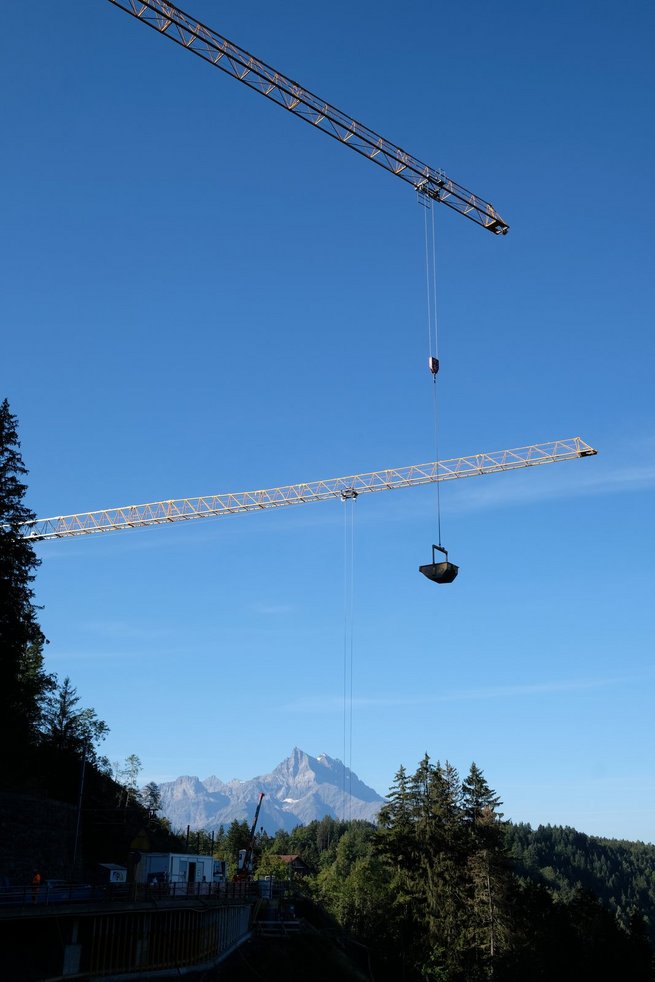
[
  {"x": 433, "y": 364},
  {"x": 443, "y": 572}
]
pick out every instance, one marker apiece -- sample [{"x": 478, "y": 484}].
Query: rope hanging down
[
  {"x": 348, "y": 499},
  {"x": 433, "y": 330}
]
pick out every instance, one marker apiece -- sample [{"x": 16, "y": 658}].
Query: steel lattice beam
[
  {"x": 185, "y": 509},
  {"x": 173, "y": 23}
]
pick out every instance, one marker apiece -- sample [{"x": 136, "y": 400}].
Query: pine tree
[
  {"x": 150, "y": 797},
  {"x": 397, "y": 844},
  {"x": 478, "y": 798},
  {"x": 237, "y": 837},
  {"x": 421, "y": 836},
  {"x": 395, "y": 819},
  {"x": 445, "y": 873},
  {"x": 66, "y": 727},
  {"x": 23, "y": 681},
  {"x": 488, "y": 874}
]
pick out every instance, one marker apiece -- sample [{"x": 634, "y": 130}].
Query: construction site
[{"x": 217, "y": 310}]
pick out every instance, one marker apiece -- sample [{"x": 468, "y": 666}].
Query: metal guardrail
[{"x": 47, "y": 895}]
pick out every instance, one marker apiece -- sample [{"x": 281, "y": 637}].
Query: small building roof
[{"x": 296, "y": 861}]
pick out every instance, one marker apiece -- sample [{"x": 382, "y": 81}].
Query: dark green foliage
[
  {"x": 202, "y": 843},
  {"x": 353, "y": 883},
  {"x": 110, "y": 827},
  {"x": 478, "y": 800},
  {"x": 430, "y": 894},
  {"x": 43, "y": 731},
  {"x": 23, "y": 681},
  {"x": 67, "y": 727},
  {"x": 107, "y": 827},
  {"x": 303, "y": 841},
  {"x": 315, "y": 842},
  {"x": 579, "y": 940},
  {"x": 427, "y": 889},
  {"x": 434, "y": 894},
  {"x": 150, "y": 797},
  {"x": 620, "y": 874},
  {"x": 236, "y": 838}
]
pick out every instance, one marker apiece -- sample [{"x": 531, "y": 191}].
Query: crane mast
[
  {"x": 214, "y": 506},
  {"x": 246, "y": 855},
  {"x": 173, "y": 23}
]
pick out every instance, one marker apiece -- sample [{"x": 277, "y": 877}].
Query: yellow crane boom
[{"x": 232, "y": 503}]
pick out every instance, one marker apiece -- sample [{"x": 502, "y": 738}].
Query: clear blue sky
[{"x": 199, "y": 294}]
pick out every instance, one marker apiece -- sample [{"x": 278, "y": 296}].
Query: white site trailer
[{"x": 172, "y": 868}]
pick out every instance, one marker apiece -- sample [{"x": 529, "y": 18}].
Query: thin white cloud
[
  {"x": 314, "y": 704},
  {"x": 523, "y": 489}
]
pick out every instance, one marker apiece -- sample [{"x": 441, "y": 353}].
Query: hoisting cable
[
  {"x": 348, "y": 496},
  {"x": 433, "y": 335}
]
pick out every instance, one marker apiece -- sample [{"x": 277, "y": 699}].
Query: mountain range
[{"x": 300, "y": 789}]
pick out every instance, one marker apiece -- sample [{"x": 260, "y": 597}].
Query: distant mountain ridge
[{"x": 299, "y": 790}]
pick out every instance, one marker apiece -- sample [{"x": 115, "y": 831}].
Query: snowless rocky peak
[
  {"x": 297, "y": 768},
  {"x": 187, "y": 786},
  {"x": 213, "y": 783}
]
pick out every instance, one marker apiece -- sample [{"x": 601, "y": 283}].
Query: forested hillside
[
  {"x": 440, "y": 889},
  {"x": 620, "y": 874},
  {"x": 434, "y": 891},
  {"x": 49, "y": 741}
]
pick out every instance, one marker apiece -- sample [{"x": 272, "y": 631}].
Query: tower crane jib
[
  {"x": 214, "y": 506},
  {"x": 173, "y": 23}
]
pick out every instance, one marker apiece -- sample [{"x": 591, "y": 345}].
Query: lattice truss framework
[
  {"x": 173, "y": 23},
  {"x": 185, "y": 509}
]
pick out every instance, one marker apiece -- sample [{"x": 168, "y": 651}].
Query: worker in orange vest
[{"x": 36, "y": 883}]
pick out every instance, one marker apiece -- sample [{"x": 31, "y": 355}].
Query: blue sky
[{"x": 199, "y": 294}]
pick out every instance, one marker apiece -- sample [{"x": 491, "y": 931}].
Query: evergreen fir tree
[
  {"x": 151, "y": 797},
  {"x": 23, "y": 681},
  {"x": 478, "y": 798},
  {"x": 68, "y": 728},
  {"x": 395, "y": 819},
  {"x": 488, "y": 872}
]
